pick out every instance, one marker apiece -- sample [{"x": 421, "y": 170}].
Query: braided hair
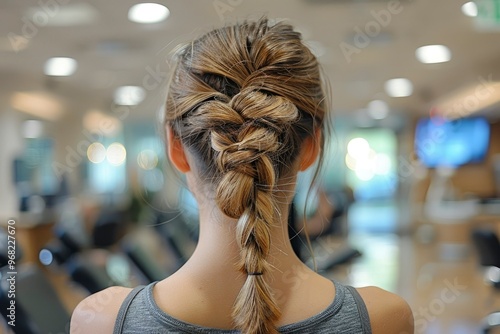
[{"x": 242, "y": 100}]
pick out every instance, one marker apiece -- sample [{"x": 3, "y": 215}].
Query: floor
[
  {"x": 437, "y": 274},
  {"x": 441, "y": 282}
]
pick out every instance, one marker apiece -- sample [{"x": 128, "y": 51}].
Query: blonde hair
[{"x": 242, "y": 100}]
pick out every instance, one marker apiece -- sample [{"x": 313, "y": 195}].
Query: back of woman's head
[{"x": 242, "y": 100}]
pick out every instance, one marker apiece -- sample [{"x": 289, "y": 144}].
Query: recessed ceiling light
[
  {"x": 398, "y": 87},
  {"x": 378, "y": 109},
  {"x": 148, "y": 13},
  {"x": 469, "y": 8},
  {"x": 432, "y": 54},
  {"x": 75, "y": 14},
  {"x": 129, "y": 95},
  {"x": 60, "y": 66}
]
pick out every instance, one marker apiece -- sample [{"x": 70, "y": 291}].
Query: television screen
[{"x": 452, "y": 143}]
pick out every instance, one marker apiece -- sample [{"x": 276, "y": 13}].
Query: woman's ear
[
  {"x": 310, "y": 150},
  {"x": 176, "y": 151}
]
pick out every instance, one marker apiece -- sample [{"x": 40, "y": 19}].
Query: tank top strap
[
  {"x": 363, "y": 312},
  {"x": 120, "y": 319}
]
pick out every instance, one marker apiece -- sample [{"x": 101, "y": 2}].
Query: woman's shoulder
[
  {"x": 97, "y": 313},
  {"x": 389, "y": 313}
]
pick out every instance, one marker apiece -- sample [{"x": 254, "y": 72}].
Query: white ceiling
[{"x": 112, "y": 51}]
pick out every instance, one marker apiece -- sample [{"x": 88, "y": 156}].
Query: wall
[
  {"x": 479, "y": 178},
  {"x": 472, "y": 179},
  {"x": 12, "y": 145}
]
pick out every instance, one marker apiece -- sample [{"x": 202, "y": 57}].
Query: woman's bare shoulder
[
  {"x": 97, "y": 313},
  {"x": 389, "y": 313}
]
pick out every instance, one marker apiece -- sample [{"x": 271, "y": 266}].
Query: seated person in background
[
  {"x": 328, "y": 220},
  {"x": 331, "y": 208},
  {"x": 320, "y": 223},
  {"x": 245, "y": 112}
]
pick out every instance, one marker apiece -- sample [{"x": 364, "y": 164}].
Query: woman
[{"x": 245, "y": 111}]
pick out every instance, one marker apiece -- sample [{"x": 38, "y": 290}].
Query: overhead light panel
[
  {"x": 148, "y": 13},
  {"x": 469, "y": 9},
  {"x": 57, "y": 15},
  {"x": 398, "y": 87},
  {"x": 433, "y": 54},
  {"x": 38, "y": 104},
  {"x": 60, "y": 66},
  {"x": 129, "y": 95}
]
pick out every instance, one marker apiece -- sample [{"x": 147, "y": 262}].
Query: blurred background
[{"x": 409, "y": 197}]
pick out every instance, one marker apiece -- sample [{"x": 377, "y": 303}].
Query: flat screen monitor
[{"x": 452, "y": 143}]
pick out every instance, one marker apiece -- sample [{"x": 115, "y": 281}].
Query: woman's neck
[{"x": 217, "y": 248}]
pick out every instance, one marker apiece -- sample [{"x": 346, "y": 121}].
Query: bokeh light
[
  {"x": 358, "y": 148},
  {"x": 116, "y": 154},
  {"x": 96, "y": 152},
  {"x": 147, "y": 159}
]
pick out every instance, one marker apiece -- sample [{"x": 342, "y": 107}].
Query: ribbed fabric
[{"x": 139, "y": 314}]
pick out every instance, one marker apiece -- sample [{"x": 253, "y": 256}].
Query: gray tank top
[{"x": 139, "y": 314}]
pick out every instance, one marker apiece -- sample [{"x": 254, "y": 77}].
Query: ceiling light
[
  {"x": 41, "y": 105},
  {"x": 378, "y": 109},
  {"x": 61, "y": 16},
  {"x": 398, "y": 87},
  {"x": 432, "y": 54},
  {"x": 60, "y": 66},
  {"x": 129, "y": 95},
  {"x": 148, "y": 13},
  {"x": 469, "y": 9}
]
